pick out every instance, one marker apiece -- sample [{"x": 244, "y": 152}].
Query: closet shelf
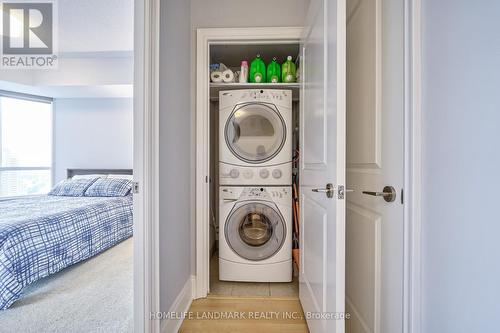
[{"x": 216, "y": 87}]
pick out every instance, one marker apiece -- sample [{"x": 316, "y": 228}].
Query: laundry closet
[{"x": 254, "y": 151}]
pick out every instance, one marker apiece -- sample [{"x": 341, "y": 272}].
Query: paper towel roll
[
  {"x": 216, "y": 76},
  {"x": 228, "y": 76}
]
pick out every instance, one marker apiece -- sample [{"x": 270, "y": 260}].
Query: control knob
[
  {"x": 234, "y": 173},
  {"x": 264, "y": 173}
]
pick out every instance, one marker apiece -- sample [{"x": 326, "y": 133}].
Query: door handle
[
  {"x": 388, "y": 193},
  {"x": 329, "y": 189}
]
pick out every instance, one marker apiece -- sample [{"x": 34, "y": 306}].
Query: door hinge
[{"x": 135, "y": 187}]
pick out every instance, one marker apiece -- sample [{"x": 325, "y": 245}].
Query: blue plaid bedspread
[{"x": 42, "y": 235}]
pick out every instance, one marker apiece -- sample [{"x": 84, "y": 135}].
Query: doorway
[
  {"x": 225, "y": 40},
  {"x": 254, "y": 134},
  {"x": 60, "y": 160}
]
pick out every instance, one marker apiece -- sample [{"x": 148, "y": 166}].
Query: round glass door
[
  {"x": 255, "y": 230},
  {"x": 255, "y": 132}
]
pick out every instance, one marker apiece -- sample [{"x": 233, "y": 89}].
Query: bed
[{"x": 42, "y": 235}]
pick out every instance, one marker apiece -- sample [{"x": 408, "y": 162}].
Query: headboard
[{"x": 73, "y": 172}]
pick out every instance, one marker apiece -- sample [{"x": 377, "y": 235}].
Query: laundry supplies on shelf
[
  {"x": 257, "y": 70},
  {"x": 227, "y": 74},
  {"x": 288, "y": 71},
  {"x": 243, "y": 78},
  {"x": 273, "y": 72},
  {"x": 220, "y": 73},
  {"x": 215, "y": 73}
]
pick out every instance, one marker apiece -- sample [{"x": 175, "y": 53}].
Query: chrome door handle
[
  {"x": 328, "y": 190},
  {"x": 388, "y": 193}
]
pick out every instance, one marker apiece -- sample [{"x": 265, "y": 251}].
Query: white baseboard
[{"x": 181, "y": 305}]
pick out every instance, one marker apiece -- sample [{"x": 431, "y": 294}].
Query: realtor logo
[{"x": 28, "y": 34}]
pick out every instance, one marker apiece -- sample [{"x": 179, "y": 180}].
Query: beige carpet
[{"x": 92, "y": 296}]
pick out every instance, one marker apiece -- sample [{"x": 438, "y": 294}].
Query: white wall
[
  {"x": 92, "y": 133},
  {"x": 461, "y": 132},
  {"x": 95, "y": 25},
  {"x": 82, "y": 70},
  {"x": 255, "y": 13},
  {"x": 175, "y": 150}
]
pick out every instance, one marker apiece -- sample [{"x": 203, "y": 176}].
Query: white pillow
[
  {"x": 114, "y": 176},
  {"x": 88, "y": 176}
]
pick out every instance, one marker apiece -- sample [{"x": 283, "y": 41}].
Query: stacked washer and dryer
[{"x": 255, "y": 178}]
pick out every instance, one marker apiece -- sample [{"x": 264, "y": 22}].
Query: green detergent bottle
[
  {"x": 288, "y": 71},
  {"x": 273, "y": 72},
  {"x": 258, "y": 70}
]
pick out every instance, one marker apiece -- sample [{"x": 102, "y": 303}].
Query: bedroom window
[{"x": 25, "y": 145}]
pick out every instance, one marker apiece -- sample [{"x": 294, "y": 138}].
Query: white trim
[
  {"x": 205, "y": 37},
  {"x": 26, "y": 97},
  {"x": 180, "y": 306},
  {"x": 24, "y": 168},
  {"x": 146, "y": 165},
  {"x": 413, "y": 168}
]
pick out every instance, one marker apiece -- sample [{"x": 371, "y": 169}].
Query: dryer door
[
  {"x": 255, "y": 230},
  {"x": 255, "y": 132}
]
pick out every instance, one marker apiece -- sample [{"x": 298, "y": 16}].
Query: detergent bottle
[
  {"x": 244, "y": 72},
  {"x": 257, "y": 70},
  {"x": 273, "y": 72},
  {"x": 288, "y": 70}
]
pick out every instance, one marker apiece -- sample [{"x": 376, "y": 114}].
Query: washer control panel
[
  {"x": 278, "y": 194},
  {"x": 256, "y": 192}
]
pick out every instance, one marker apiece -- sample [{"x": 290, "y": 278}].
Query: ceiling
[
  {"x": 95, "y": 25},
  {"x": 95, "y": 48}
]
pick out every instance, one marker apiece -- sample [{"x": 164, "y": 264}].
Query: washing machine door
[
  {"x": 255, "y": 230},
  {"x": 255, "y": 132}
]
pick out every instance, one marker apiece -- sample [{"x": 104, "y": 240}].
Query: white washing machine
[
  {"x": 255, "y": 137},
  {"x": 255, "y": 240}
]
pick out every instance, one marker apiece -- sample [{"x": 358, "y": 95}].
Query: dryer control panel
[
  {"x": 279, "y": 97},
  {"x": 266, "y": 175}
]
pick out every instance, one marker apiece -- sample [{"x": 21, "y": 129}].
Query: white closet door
[
  {"x": 322, "y": 166},
  {"x": 374, "y": 230}
]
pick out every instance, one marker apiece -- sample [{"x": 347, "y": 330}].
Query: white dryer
[
  {"x": 255, "y": 137},
  {"x": 255, "y": 234}
]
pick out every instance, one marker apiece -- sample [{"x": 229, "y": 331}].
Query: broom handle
[{"x": 296, "y": 208}]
